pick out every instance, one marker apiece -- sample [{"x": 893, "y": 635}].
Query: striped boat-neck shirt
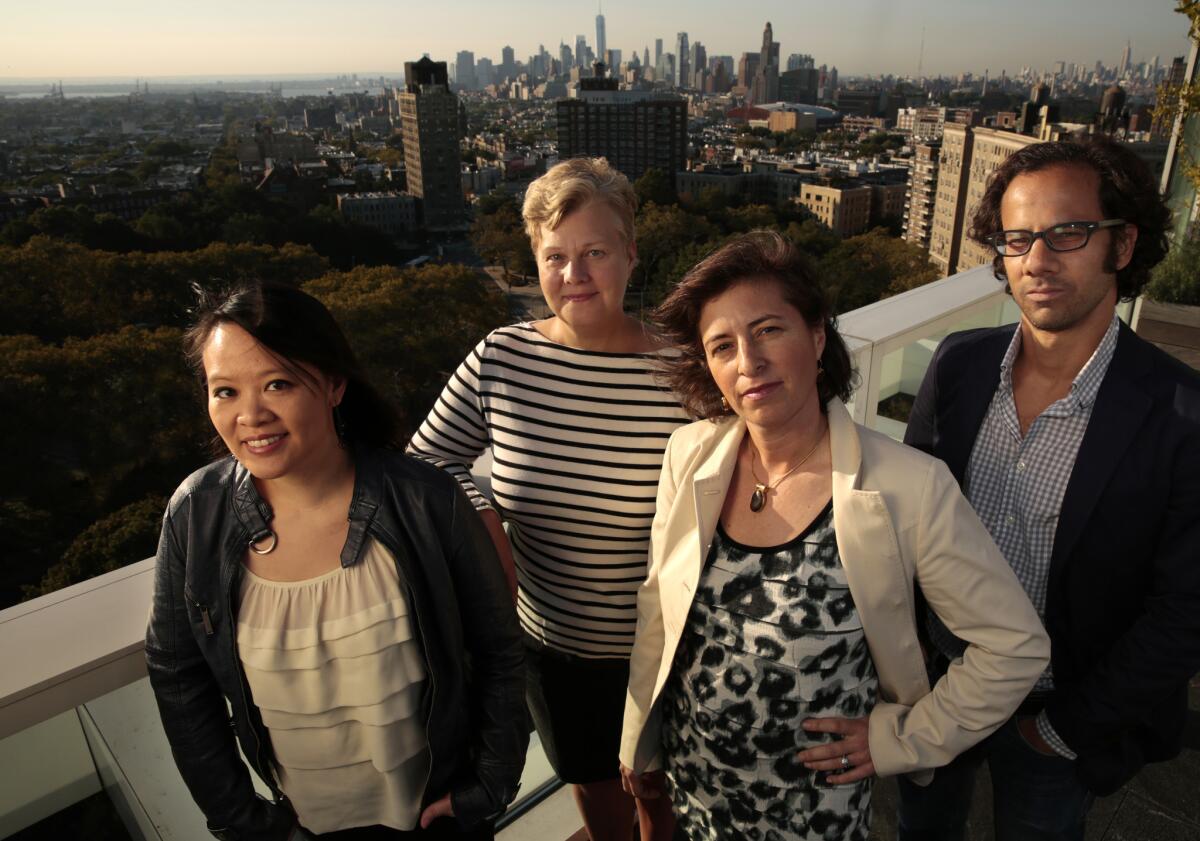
[{"x": 577, "y": 440}]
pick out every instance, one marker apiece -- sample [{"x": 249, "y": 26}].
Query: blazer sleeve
[
  {"x": 973, "y": 590},
  {"x": 1160, "y": 651},
  {"x": 640, "y": 742},
  {"x": 194, "y": 714}
]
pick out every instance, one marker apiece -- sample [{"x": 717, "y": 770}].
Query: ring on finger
[{"x": 845, "y": 761}]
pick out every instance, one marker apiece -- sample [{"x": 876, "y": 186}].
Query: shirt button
[
  {"x": 1010, "y": 519},
  {"x": 1020, "y": 467}
]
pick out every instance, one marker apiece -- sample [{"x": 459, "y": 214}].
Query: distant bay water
[{"x": 287, "y": 89}]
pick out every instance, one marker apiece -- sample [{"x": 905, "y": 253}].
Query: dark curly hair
[
  {"x": 295, "y": 327},
  {"x": 1128, "y": 191},
  {"x": 753, "y": 256}
]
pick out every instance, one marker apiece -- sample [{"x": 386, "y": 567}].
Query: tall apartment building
[
  {"x": 969, "y": 156},
  {"x": 953, "y": 172},
  {"x": 921, "y": 194},
  {"x": 990, "y": 149},
  {"x": 430, "y": 126},
  {"x": 634, "y": 130}
]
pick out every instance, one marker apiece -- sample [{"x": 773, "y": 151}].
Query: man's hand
[
  {"x": 647, "y": 786},
  {"x": 439, "y": 808},
  {"x": 849, "y": 755}
]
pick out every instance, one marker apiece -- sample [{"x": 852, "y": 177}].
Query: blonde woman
[{"x": 576, "y": 422}]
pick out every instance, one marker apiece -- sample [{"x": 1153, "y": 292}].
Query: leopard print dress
[{"x": 772, "y": 638}]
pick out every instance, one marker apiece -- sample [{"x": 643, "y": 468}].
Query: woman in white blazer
[{"x": 777, "y": 667}]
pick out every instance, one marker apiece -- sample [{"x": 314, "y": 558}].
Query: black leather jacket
[{"x": 474, "y": 707}]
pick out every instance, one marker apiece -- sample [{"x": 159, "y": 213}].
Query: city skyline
[{"x": 135, "y": 38}]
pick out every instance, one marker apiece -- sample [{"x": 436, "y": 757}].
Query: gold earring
[
  {"x": 820, "y": 369},
  {"x": 724, "y": 404}
]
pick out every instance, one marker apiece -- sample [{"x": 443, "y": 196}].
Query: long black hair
[{"x": 296, "y": 327}]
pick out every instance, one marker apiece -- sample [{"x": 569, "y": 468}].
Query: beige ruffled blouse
[{"x": 338, "y": 675}]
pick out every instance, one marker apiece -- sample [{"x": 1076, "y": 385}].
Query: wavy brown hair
[
  {"x": 757, "y": 256},
  {"x": 1128, "y": 190}
]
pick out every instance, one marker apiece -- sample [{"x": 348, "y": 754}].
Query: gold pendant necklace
[{"x": 758, "y": 499}]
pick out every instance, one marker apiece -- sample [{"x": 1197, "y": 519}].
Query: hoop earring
[{"x": 724, "y": 405}]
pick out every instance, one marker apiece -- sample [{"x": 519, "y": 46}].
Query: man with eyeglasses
[{"x": 1078, "y": 444}]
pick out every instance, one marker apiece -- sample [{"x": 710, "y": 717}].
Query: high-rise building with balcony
[
  {"x": 953, "y": 172},
  {"x": 634, "y": 130},
  {"x": 921, "y": 194},
  {"x": 430, "y": 124},
  {"x": 990, "y": 148}
]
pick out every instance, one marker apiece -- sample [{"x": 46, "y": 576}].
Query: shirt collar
[{"x": 1086, "y": 384}]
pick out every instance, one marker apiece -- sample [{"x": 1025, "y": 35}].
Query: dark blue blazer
[{"x": 1123, "y": 597}]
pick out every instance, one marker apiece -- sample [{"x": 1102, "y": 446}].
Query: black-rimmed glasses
[{"x": 1068, "y": 236}]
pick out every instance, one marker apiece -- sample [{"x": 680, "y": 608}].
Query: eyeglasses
[{"x": 1069, "y": 236}]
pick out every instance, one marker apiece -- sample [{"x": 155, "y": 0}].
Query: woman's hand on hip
[
  {"x": 849, "y": 756},
  {"x": 645, "y": 786},
  {"x": 440, "y": 808}
]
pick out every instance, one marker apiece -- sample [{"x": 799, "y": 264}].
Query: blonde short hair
[{"x": 571, "y": 184}]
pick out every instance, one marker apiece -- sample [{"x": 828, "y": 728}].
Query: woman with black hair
[{"x": 333, "y": 591}]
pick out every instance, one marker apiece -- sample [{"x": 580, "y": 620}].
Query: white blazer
[{"x": 899, "y": 517}]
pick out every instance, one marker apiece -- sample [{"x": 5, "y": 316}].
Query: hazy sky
[{"x": 140, "y": 38}]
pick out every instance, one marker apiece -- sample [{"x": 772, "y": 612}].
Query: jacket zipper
[{"x": 205, "y": 618}]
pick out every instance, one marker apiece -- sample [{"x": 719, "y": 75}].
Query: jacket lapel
[
  {"x": 1120, "y": 409},
  {"x": 711, "y": 482},
  {"x": 975, "y": 383}
]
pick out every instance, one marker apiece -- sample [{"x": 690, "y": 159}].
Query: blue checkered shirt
[{"x": 1016, "y": 484}]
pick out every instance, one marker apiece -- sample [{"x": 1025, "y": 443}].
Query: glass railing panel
[{"x": 44, "y": 769}]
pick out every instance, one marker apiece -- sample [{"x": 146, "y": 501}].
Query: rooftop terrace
[{"x": 77, "y": 717}]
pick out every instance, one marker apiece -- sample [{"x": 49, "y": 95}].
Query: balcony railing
[{"x": 76, "y": 713}]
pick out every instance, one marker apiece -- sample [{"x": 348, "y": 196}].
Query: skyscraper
[
  {"x": 698, "y": 64},
  {"x": 646, "y": 57},
  {"x": 566, "y": 59},
  {"x": 766, "y": 80},
  {"x": 581, "y": 50},
  {"x": 508, "y": 61},
  {"x": 601, "y": 41},
  {"x": 429, "y": 124},
  {"x": 1123, "y": 67},
  {"x": 464, "y": 70},
  {"x": 682, "y": 75}
]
